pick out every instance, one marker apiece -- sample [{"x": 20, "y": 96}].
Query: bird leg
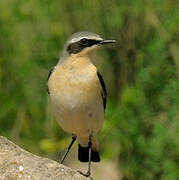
[
  {"x": 89, "y": 160},
  {"x": 68, "y": 149}
]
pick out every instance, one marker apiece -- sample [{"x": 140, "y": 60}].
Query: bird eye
[{"x": 84, "y": 41}]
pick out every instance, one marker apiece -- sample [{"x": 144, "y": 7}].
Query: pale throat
[{"x": 79, "y": 60}]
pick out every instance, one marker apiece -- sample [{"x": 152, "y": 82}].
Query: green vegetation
[{"x": 141, "y": 129}]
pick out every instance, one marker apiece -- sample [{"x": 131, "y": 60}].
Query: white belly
[{"x": 76, "y": 100}]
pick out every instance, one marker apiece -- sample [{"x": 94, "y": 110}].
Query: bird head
[{"x": 82, "y": 43}]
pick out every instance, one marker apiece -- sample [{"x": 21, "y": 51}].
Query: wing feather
[
  {"x": 104, "y": 91},
  {"x": 49, "y": 74}
]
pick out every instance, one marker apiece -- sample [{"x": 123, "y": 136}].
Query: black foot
[{"x": 86, "y": 175}]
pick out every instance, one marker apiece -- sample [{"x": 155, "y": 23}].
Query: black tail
[{"x": 83, "y": 154}]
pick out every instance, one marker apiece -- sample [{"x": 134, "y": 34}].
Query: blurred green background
[{"x": 141, "y": 129}]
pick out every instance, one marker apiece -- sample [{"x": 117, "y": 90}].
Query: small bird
[{"x": 78, "y": 94}]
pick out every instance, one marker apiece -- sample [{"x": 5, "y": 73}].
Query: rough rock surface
[{"x": 18, "y": 164}]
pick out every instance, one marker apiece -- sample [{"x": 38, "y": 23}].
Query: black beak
[{"x": 102, "y": 42}]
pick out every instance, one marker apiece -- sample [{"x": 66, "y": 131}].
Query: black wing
[
  {"x": 104, "y": 92},
  {"x": 49, "y": 74}
]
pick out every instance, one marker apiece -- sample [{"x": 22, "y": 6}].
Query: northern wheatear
[{"x": 78, "y": 94}]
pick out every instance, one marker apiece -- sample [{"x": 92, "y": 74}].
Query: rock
[{"x": 18, "y": 164}]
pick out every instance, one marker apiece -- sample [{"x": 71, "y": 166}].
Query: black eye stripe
[
  {"x": 92, "y": 42},
  {"x": 76, "y": 47}
]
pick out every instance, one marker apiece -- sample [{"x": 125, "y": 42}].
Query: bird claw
[{"x": 85, "y": 174}]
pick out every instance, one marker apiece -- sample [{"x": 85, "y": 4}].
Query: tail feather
[{"x": 83, "y": 154}]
